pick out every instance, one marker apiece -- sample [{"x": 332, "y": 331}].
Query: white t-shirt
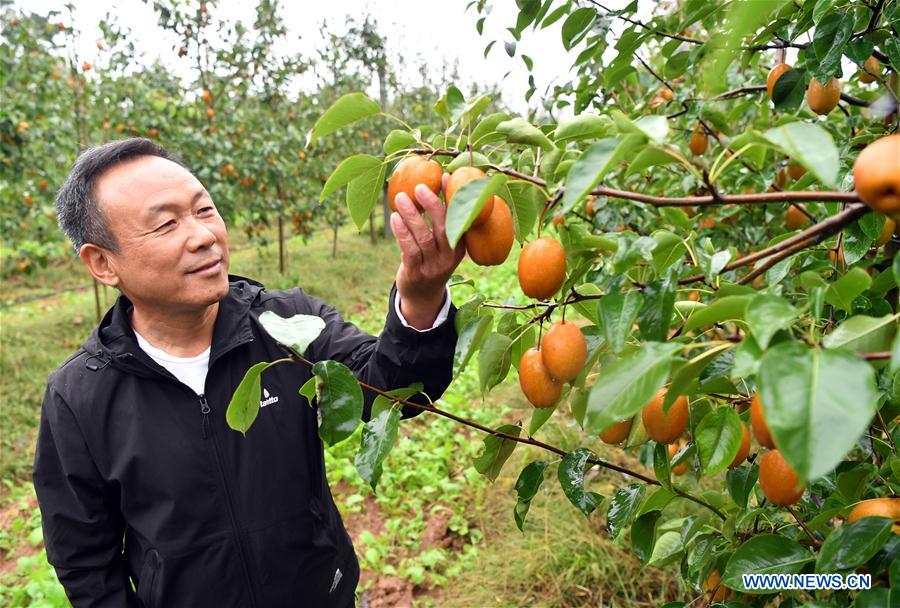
[{"x": 192, "y": 370}]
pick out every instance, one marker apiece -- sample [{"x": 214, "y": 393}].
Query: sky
[{"x": 427, "y": 31}]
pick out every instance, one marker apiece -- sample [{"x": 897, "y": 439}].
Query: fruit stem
[
  {"x": 806, "y": 529},
  {"x": 884, "y": 426}
]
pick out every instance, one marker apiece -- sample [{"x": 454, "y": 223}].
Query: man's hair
[{"x": 77, "y": 210}]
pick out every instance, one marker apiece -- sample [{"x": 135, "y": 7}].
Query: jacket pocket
[
  {"x": 147, "y": 580},
  {"x": 294, "y": 558}
]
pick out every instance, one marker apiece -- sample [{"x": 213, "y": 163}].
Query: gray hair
[{"x": 78, "y": 212}]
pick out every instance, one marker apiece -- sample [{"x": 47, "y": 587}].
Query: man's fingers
[
  {"x": 444, "y": 179},
  {"x": 437, "y": 212},
  {"x": 415, "y": 223},
  {"x": 409, "y": 249}
]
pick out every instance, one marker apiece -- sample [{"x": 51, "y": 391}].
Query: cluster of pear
[
  {"x": 490, "y": 237},
  {"x": 667, "y": 426},
  {"x": 561, "y": 353},
  {"x": 823, "y": 98}
]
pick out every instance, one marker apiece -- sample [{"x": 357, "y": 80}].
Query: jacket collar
[{"x": 113, "y": 340}]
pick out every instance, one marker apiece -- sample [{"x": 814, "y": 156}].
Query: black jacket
[{"x": 137, "y": 477}]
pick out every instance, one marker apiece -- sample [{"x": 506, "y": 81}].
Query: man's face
[{"x": 167, "y": 227}]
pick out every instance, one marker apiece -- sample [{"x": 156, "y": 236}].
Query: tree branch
[
  {"x": 294, "y": 355},
  {"x": 648, "y": 28},
  {"x": 808, "y": 237},
  {"x": 787, "y": 196}
]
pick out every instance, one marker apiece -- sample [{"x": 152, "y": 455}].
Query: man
[{"x": 139, "y": 479}]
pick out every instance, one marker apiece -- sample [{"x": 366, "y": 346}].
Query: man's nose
[{"x": 201, "y": 235}]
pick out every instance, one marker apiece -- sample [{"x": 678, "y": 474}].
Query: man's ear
[{"x": 99, "y": 263}]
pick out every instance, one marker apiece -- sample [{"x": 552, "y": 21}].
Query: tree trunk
[
  {"x": 382, "y": 93},
  {"x": 281, "y": 242},
  {"x": 334, "y": 242},
  {"x": 372, "y": 234}
]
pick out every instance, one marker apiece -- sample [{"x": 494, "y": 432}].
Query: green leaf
[
  {"x": 617, "y": 313},
  {"x": 581, "y": 127},
  {"x": 378, "y": 438},
  {"x": 842, "y": 292},
  {"x": 746, "y": 358},
  {"x": 654, "y": 127},
  {"x": 346, "y": 110},
  {"x": 744, "y": 17},
  {"x": 468, "y": 310},
  {"x": 496, "y": 452},
  {"x": 643, "y": 534},
  {"x": 765, "y": 554},
  {"x": 852, "y": 545},
  {"x": 863, "y": 334},
  {"x": 524, "y": 198},
  {"x": 571, "y": 478},
  {"x": 670, "y": 248},
  {"x": 891, "y": 48},
  {"x": 712, "y": 261},
  {"x": 493, "y": 361},
  {"x": 808, "y": 145},
  {"x": 486, "y": 130},
  {"x": 398, "y": 140},
  {"x": 556, "y": 15},
  {"x": 469, "y": 340},
  {"x": 630, "y": 250},
  {"x": 623, "y": 507},
  {"x": 809, "y": 394},
  {"x": 472, "y": 109},
  {"x": 452, "y": 103},
  {"x": 340, "y": 401},
  {"x": 649, "y": 157},
  {"x": 662, "y": 468},
  {"x": 852, "y": 482},
  {"x": 308, "y": 389},
  {"x": 475, "y": 159},
  {"x": 690, "y": 371},
  {"x": 789, "y": 90},
  {"x": 468, "y": 202},
  {"x": 666, "y": 550},
  {"x": 244, "y": 405},
  {"x": 829, "y": 42},
  {"x": 766, "y": 314},
  {"x": 527, "y": 485},
  {"x": 655, "y": 316},
  {"x": 718, "y": 438},
  {"x": 520, "y": 131},
  {"x": 576, "y": 26},
  {"x": 350, "y": 169},
  {"x": 588, "y": 170},
  {"x": 363, "y": 194},
  {"x": 657, "y": 501},
  {"x": 297, "y": 331},
  {"x": 740, "y": 482},
  {"x": 822, "y": 8},
  {"x": 541, "y": 415},
  {"x": 728, "y": 308},
  {"x": 628, "y": 384}
]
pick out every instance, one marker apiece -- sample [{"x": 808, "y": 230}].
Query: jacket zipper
[
  {"x": 229, "y": 501},
  {"x": 206, "y": 429}
]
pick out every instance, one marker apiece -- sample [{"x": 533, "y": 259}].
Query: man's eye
[
  {"x": 170, "y": 222},
  {"x": 208, "y": 209}
]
